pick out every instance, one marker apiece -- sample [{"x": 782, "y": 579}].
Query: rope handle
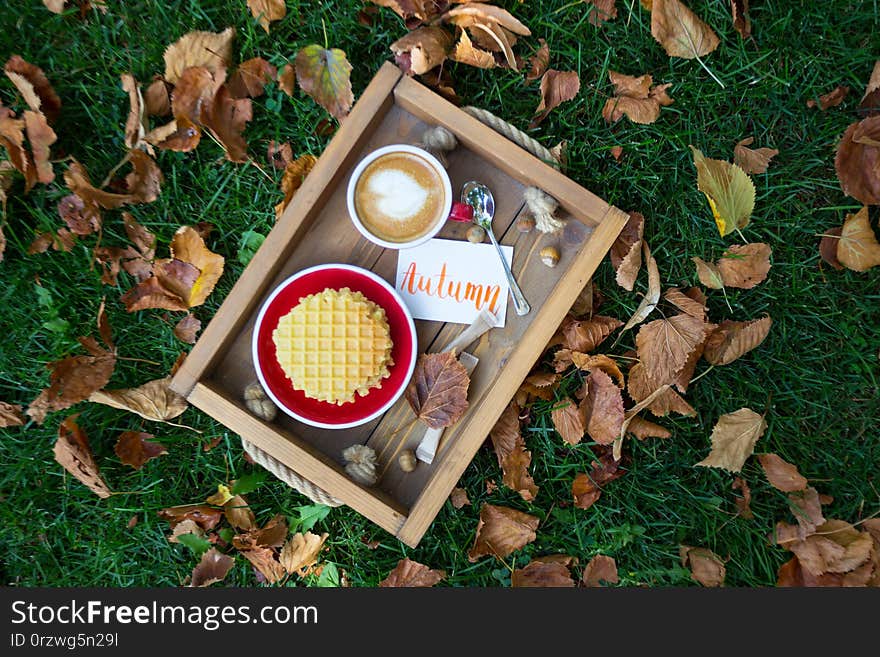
[{"x": 279, "y": 469}]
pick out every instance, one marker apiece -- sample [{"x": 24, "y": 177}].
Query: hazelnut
[
  {"x": 476, "y": 234},
  {"x": 525, "y": 224},
  {"x": 550, "y": 256},
  {"x": 258, "y": 402},
  {"x": 407, "y": 460}
]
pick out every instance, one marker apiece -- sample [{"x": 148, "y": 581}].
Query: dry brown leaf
[
  {"x": 134, "y": 448},
  {"x": 150, "y": 293},
  {"x": 185, "y": 528},
  {"x": 501, "y": 531},
  {"x": 513, "y": 458},
  {"x": 600, "y": 569},
  {"x": 265, "y": 563},
  {"x": 208, "y": 49},
  {"x": 73, "y": 379},
  {"x": 539, "y": 62},
  {"x": 459, "y": 497},
  {"x": 641, "y": 388},
  {"x": 585, "y": 491},
  {"x": 266, "y": 11},
  {"x": 12, "y": 138},
  {"x": 80, "y": 219},
  {"x": 603, "y": 408},
  {"x": 55, "y": 6},
  {"x": 213, "y": 567},
  {"x": 294, "y": 175},
  {"x": 687, "y": 304},
  {"x": 422, "y": 49},
  {"x": 287, "y": 79},
  {"x": 10, "y": 415},
  {"x": 730, "y": 340},
  {"x": 739, "y": 10},
  {"x": 642, "y": 429},
  {"x": 301, "y": 552},
  {"x": 807, "y": 510},
  {"x": 733, "y": 439},
  {"x": 598, "y": 362},
  {"x": 706, "y": 567},
  {"x": 870, "y": 103},
  {"x": 835, "y": 547},
  {"x": 828, "y": 246},
  {"x": 652, "y": 294},
  {"x": 279, "y": 155},
  {"x": 832, "y": 99},
  {"x": 570, "y": 421},
  {"x": 636, "y": 98},
  {"x": 665, "y": 346},
  {"x": 135, "y": 125},
  {"x": 781, "y": 474},
  {"x": 708, "y": 274},
  {"x": 226, "y": 119},
  {"x": 157, "y": 98},
  {"x": 469, "y": 13},
  {"x": 542, "y": 574},
  {"x": 189, "y": 247},
  {"x": 858, "y": 162},
  {"x": 410, "y": 574},
  {"x": 743, "y": 508},
  {"x": 251, "y": 77},
  {"x": 680, "y": 31},
  {"x": 143, "y": 183},
  {"x": 41, "y": 137},
  {"x": 586, "y": 488},
  {"x": 585, "y": 335},
  {"x": 204, "y": 516},
  {"x": 557, "y": 87},
  {"x": 153, "y": 400},
  {"x": 73, "y": 452},
  {"x": 752, "y": 160},
  {"x": 437, "y": 392},
  {"x": 744, "y": 265},
  {"x": 857, "y": 248},
  {"x": 186, "y": 329},
  {"x": 602, "y": 11},
  {"x": 626, "y": 252},
  {"x": 34, "y": 87},
  {"x": 466, "y": 53},
  {"x": 239, "y": 514}
]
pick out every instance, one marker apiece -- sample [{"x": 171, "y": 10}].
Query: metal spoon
[{"x": 480, "y": 198}]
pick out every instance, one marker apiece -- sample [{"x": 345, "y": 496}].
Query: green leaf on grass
[
  {"x": 325, "y": 76},
  {"x": 248, "y": 483},
  {"x": 731, "y": 193},
  {"x": 329, "y": 577},
  {"x": 226, "y": 534},
  {"x": 310, "y": 515},
  {"x": 195, "y": 543},
  {"x": 248, "y": 244}
]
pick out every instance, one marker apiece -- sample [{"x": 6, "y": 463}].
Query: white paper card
[{"x": 451, "y": 280}]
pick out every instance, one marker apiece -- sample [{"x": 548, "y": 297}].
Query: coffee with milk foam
[{"x": 399, "y": 197}]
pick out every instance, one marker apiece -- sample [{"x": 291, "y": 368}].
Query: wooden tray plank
[
  {"x": 310, "y": 463},
  {"x": 503, "y": 153},
  {"x": 318, "y": 186},
  {"x": 461, "y": 447}
]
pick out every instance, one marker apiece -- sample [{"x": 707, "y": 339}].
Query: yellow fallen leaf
[
  {"x": 731, "y": 193},
  {"x": 733, "y": 439}
]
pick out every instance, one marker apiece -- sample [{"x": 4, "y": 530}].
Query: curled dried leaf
[
  {"x": 73, "y": 452},
  {"x": 422, "y": 49},
  {"x": 209, "y": 49},
  {"x": 857, "y": 248},
  {"x": 600, "y": 569},
  {"x": 730, "y": 340},
  {"x": 501, "y": 531},
  {"x": 10, "y": 415},
  {"x": 466, "y": 53},
  {"x": 539, "y": 62},
  {"x": 752, "y": 160},
  {"x": 680, "y": 31},
  {"x": 557, "y": 87},
  {"x": 153, "y": 400},
  {"x": 626, "y": 252},
  {"x": 706, "y": 567},
  {"x": 34, "y": 86},
  {"x": 213, "y": 567},
  {"x": 636, "y": 98},
  {"x": 832, "y": 99},
  {"x": 134, "y": 448},
  {"x": 294, "y": 175},
  {"x": 325, "y": 76},
  {"x": 409, "y": 574},
  {"x": 733, "y": 439},
  {"x": 513, "y": 458}
]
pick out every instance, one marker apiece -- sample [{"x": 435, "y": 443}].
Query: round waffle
[{"x": 333, "y": 344}]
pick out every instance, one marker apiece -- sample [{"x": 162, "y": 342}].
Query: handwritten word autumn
[{"x": 443, "y": 286}]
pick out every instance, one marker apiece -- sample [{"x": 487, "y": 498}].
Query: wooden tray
[{"x": 315, "y": 228}]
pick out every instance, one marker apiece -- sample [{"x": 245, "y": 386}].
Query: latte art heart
[{"x": 399, "y": 197}]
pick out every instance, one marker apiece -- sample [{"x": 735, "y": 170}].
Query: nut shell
[
  {"x": 550, "y": 256},
  {"x": 476, "y": 234},
  {"x": 407, "y": 460},
  {"x": 258, "y": 402},
  {"x": 525, "y": 224}
]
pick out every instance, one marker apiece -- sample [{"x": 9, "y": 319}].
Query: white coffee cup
[{"x": 403, "y": 196}]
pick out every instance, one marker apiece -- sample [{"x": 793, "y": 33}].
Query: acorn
[
  {"x": 407, "y": 460},
  {"x": 525, "y": 224},
  {"x": 550, "y": 256},
  {"x": 476, "y": 234},
  {"x": 258, "y": 402}
]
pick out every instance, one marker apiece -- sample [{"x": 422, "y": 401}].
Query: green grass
[{"x": 816, "y": 375}]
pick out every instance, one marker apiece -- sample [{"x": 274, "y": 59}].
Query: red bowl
[{"x": 320, "y": 413}]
